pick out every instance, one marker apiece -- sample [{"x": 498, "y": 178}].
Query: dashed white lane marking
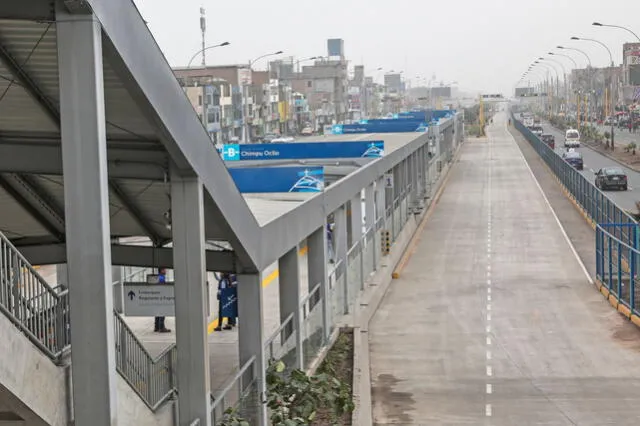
[
  {"x": 489, "y": 389},
  {"x": 487, "y": 410},
  {"x": 488, "y": 317},
  {"x": 489, "y": 288},
  {"x": 489, "y": 371},
  {"x": 488, "y": 355},
  {"x": 488, "y": 306},
  {"x": 488, "y": 298},
  {"x": 488, "y": 340},
  {"x": 488, "y": 329}
]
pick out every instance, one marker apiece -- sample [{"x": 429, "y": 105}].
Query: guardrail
[
  {"x": 153, "y": 379},
  {"x": 39, "y": 311},
  {"x": 599, "y": 207},
  {"x": 617, "y": 266},
  {"x": 241, "y": 393}
]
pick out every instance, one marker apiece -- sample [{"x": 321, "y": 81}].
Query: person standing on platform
[
  {"x": 227, "y": 302},
  {"x": 159, "y": 326}
]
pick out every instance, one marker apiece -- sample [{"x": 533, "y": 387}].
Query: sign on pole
[
  {"x": 388, "y": 180},
  {"x": 302, "y": 150},
  {"x": 149, "y": 300}
]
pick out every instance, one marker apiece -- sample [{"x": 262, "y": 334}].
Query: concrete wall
[
  {"x": 30, "y": 379},
  {"x": 33, "y": 387}
]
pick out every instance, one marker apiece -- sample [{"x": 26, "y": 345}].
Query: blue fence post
[
  {"x": 632, "y": 278},
  {"x": 598, "y": 250},
  {"x": 619, "y": 255},
  {"x": 609, "y": 277}
]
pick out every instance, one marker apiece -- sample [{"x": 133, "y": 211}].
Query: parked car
[
  {"x": 574, "y": 158},
  {"x": 307, "y": 131},
  {"x": 550, "y": 140},
  {"x": 611, "y": 177}
]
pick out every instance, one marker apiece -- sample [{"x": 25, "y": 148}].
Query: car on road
[
  {"x": 572, "y": 139},
  {"x": 307, "y": 131},
  {"x": 550, "y": 140},
  {"x": 537, "y": 130},
  {"x": 611, "y": 177},
  {"x": 269, "y": 137},
  {"x": 574, "y": 158}
]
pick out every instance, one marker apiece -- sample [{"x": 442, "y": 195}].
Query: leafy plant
[
  {"x": 231, "y": 418},
  {"x": 294, "y": 399},
  {"x": 631, "y": 148}
]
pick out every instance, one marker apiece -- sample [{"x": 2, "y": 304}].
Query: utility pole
[{"x": 203, "y": 30}]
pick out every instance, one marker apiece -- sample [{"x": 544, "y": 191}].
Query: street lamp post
[
  {"x": 598, "y": 24},
  {"x": 245, "y": 94},
  {"x": 551, "y": 103},
  {"x": 610, "y": 79},
  {"x": 201, "y": 51},
  {"x": 588, "y": 61},
  {"x": 564, "y": 75},
  {"x": 557, "y": 76}
]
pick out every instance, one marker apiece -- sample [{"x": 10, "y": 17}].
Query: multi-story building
[{"x": 231, "y": 81}]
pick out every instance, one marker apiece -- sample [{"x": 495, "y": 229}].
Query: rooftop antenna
[{"x": 203, "y": 29}]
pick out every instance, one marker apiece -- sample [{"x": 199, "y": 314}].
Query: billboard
[
  {"x": 382, "y": 126},
  {"x": 441, "y": 92},
  {"x": 302, "y": 150},
  {"x": 278, "y": 179},
  {"x": 244, "y": 76},
  {"x": 335, "y": 47}
]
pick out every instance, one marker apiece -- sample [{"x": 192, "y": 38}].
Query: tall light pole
[
  {"x": 598, "y": 24},
  {"x": 551, "y": 103},
  {"x": 542, "y": 59},
  {"x": 204, "y": 49},
  {"x": 588, "y": 61},
  {"x": 610, "y": 76},
  {"x": 245, "y": 94}
]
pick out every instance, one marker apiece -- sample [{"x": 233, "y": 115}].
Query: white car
[
  {"x": 572, "y": 139},
  {"x": 283, "y": 139}
]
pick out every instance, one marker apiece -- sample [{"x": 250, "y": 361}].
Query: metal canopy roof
[{"x": 150, "y": 125}]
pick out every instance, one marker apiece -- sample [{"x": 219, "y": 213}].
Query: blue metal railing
[{"x": 617, "y": 266}]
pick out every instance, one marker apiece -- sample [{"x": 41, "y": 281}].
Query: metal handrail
[
  {"x": 276, "y": 333},
  {"x": 220, "y": 399},
  {"x": 41, "y": 313},
  {"x": 34, "y": 306}
]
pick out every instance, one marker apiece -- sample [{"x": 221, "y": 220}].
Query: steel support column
[
  {"x": 251, "y": 334},
  {"x": 340, "y": 234},
  {"x": 369, "y": 207},
  {"x": 84, "y": 154},
  {"x": 356, "y": 219},
  {"x": 118, "y": 288},
  {"x": 187, "y": 225},
  {"x": 317, "y": 272},
  {"x": 289, "y": 286},
  {"x": 380, "y": 199}
]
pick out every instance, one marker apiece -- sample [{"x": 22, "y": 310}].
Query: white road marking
[
  {"x": 488, "y": 306},
  {"x": 488, "y": 329},
  {"x": 488, "y": 298},
  {"x": 487, "y": 410},
  {"x": 489, "y": 355},
  {"x": 489, "y": 290},
  {"x": 489, "y": 371},
  {"x": 489, "y": 317},
  {"x": 488, "y": 340}
]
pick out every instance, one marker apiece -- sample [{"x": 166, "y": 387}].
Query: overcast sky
[{"x": 483, "y": 45}]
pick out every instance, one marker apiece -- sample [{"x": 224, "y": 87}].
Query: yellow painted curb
[
  {"x": 624, "y": 310},
  {"x": 265, "y": 283},
  {"x": 613, "y": 300},
  {"x": 635, "y": 319},
  {"x": 605, "y": 291}
]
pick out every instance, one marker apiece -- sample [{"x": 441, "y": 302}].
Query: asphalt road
[
  {"x": 593, "y": 161},
  {"x": 489, "y": 323}
]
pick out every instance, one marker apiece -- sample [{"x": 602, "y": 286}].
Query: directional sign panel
[
  {"x": 149, "y": 300},
  {"x": 278, "y": 179},
  {"x": 302, "y": 150}
]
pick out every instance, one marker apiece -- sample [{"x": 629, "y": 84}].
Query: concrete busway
[{"x": 488, "y": 323}]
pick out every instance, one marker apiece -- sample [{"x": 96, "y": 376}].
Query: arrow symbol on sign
[{"x": 131, "y": 295}]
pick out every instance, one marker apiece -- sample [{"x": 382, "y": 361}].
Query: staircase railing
[
  {"x": 41, "y": 312},
  {"x": 38, "y": 310}
]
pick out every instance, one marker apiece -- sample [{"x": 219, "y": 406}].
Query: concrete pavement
[{"x": 489, "y": 323}]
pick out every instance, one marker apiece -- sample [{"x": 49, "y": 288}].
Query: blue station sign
[
  {"x": 278, "y": 179},
  {"x": 302, "y": 150},
  {"x": 380, "y": 126}
]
